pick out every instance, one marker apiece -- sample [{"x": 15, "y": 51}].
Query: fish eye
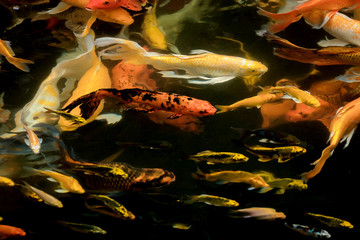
[{"x": 106, "y": 2}]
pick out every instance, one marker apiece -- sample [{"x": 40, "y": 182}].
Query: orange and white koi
[
  {"x": 211, "y": 67},
  {"x": 149, "y": 100},
  {"x": 9, "y": 54},
  {"x": 285, "y": 19},
  {"x": 32, "y": 139},
  {"x": 342, "y": 128},
  {"x": 343, "y": 28}
]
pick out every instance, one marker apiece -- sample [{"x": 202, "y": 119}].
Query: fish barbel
[
  {"x": 176, "y": 103},
  {"x": 283, "y": 154},
  {"x": 201, "y": 64},
  {"x": 219, "y": 157}
]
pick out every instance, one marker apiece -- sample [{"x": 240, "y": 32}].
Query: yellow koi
[
  {"x": 151, "y": 32},
  {"x": 212, "y": 68},
  {"x": 331, "y": 221},
  {"x": 283, "y": 154},
  {"x": 219, "y": 157},
  {"x": 8, "y": 53},
  {"x": 212, "y": 200},
  {"x": 261, "y": 213},
  {"x": 68, "y": 116},
  {"x": 256, "y": 101},
  {"x": 47, "y": 198},
  {"x": 4, "y": 181}
]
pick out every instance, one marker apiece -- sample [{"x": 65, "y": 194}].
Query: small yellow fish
[
  {"x": 181, "y": 226},
  {"x": 32, "y": 140},
  {"x": 68, "y": 116},
  {"x": 256, "y": 101},
  {"x": 47, "y": 198},
  {"x": 262, "y": 213},
  {"x": 109, "y": 206},
  {"x": 281, "y": 184},
  {"x": 331, "y": 221},
  {"x": 223, "y": 177},
  {"x": 83, "y": 228},
  {"x": 67, "y": 183},
  {"x": 301, "y": 95},
  {"x": 283, "y": 154},
  {"x": 212, "y": 200},
  {"x": 219, "y": 157},
  {"x": 212, "y": 68},
  {"x": 4, "y": 181},
  {"x": 151, "y": 32},
  {"x": 8, "y": 53}
]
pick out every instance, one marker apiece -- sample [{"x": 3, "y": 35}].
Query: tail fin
[
  {"x": 87, "y": 104},
  {"x": 282, "y": 19},
  {"x": 199, "y": 174},
  {"x": 121, "y": 49},
  {"x": 20, "y": 63},
  {"x": 222, "y": 109}
]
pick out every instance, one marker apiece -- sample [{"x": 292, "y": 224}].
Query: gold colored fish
[
  {"x": 331, "y": 221},
  {"x": 68, "y": 116},
  {"x": 283, "y": 154},
  {"x": 219, "y": 157},
  {"x": 4, "y": 181},
  {"x": 212, "y": 200}
]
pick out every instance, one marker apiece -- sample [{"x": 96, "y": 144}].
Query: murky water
[{"x": 332, "y": 193}]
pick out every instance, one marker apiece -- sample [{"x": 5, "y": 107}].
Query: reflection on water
[{"x": 182, "y": 169}]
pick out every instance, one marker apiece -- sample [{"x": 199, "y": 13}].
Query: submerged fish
[
  {"x": 342, "y": 127},
  {"x": 134, "y": 5},
  {"x": 219, "y": 157},
  {"x": 256, "y": 101},
  {"x": 151, "y": 100},
  {"x": 108, "y": 206},
  {"x": 281, "y": 184},
  {"x": 82, "y": 227},
  {"x": 47, "y": 198},
  {"x": 211, "y": 67},
  {"x": 7, "y": 231},
  {"x": 335, "y": 55},
  {"x": 67, "y": 183},
  {"x": 224, "y": 177},
  {"x": 182, "y": 226},
  {"x": 8, "y": 53},
  {"x": 212, "y": 200},
  {"x": 308, "y": 231},
  {"x": 258, "y": 213},
  {"x": 4, "y": 181},
  {"x": 282, "y": 154},
  {"x": 285, "y": 19},
  {"x": 68, "y": 116},
  {"x": 331, "y": 221},
  {"x": 118, "y": 176}
]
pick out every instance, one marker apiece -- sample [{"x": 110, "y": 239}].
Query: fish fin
[
  {"x": 326, "y": 19},
  {"x": 199, "y": 51},
  {"x": 349, "y": 136},
  {"x": 251, "y": 188},
  {"x": 175, "y": 116},
  {"x": 173, "y": 48},
  {"x": 8, "y": 47},
  {"x": 332, "y": 42},
  {"x": 60, "y": 190},
  {"x": 27, "y": 142},
  {"x": 40, "y": 140},
  {"x": 280, "y": 191},
  {"x": 51, "y": 179},
  {"x": 265, "y": 190},
  {"x": 282, "y": 160},
  {"x": 20, "y": 63},
  {"x": 262, "y": 159},
  {"x": 222, "y": 182},
  {"x": 222, "y": 109},
  {"x": 212, "y": 81},
  {"x": 61, "y": 7},
  {"x": 283, "y": 19},
  {"x": 291, "y": 98}
]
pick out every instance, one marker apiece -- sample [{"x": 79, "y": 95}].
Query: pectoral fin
[
  {"x": 60, "y": 190},
  {"x": 27, "y": 142},
  {"x": 212, "y": 81}
]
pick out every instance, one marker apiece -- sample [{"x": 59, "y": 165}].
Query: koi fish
[
  {"x": 4, "y": 181},
  {"x": 212, "y": 200},
  {"x": 281, "y": 184},
  {"x": 108, "y": 206},
  {"x": 256, "y": 101},
  {"x": 201, "y": 64},
  {"x": 118, "y": 176},
  {"x": 4, "y": 113},
  {"x": 285, "y": 19},
  {"x": 83, "y": 228},
  {"x": 47, "y": 198},
  {"x": 68, "y": 116},
  {"x": 224, "y": 177},
  {"x": 67, "y": 183},
  {"x": 344, "y": 29},
  {"x": 134, "y": 5},
  {"x": 296, "y": 94},
  {"x": 182, "y": 226},
  {"x": 258, "y": 213},
  {"x": 9, "y": 54},
  {"x": 219, "y": 157},
  {"x": 342, "y": 127},
  {"x": 331, "y": 221},
  {"x": 326, "y": 56},
  {"x": 151, "y": 32},
  {"x": 308, "y": 231},
  {"x": 283, "y": 154},
  {"x": 151, "y": 100},
  {"x": 32, "y": 139},
  {"x": 7, "y": 231}
]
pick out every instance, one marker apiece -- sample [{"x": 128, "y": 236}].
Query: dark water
[{"x": 333, "y": 192}]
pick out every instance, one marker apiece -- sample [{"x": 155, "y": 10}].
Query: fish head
[
  {"x": 256, "y": 69},
  {"x": 153, "y": 177},
  {"x": 35, "y": 148},
  {"x": 100, "y": 4},
  {"x": 17, "y": 232}
]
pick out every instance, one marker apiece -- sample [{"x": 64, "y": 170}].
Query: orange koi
[
  {"x": 135, "y": 5},
  {"x": 150, "y": 100},
  {"x": 285, "y": 19},
  {"x": 342, "y": 128},
  {"x": 326, "y": 56},
  {"x": 7, "y": 231}
]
